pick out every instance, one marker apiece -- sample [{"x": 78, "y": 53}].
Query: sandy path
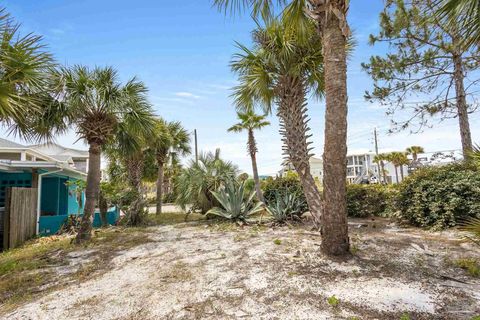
[{"x": 191, "y": 272}]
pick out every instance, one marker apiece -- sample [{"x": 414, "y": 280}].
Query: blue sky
[{"x": 182, "y": 49}]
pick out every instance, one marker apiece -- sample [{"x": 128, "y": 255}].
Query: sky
[{"x": 182, "y": 51}]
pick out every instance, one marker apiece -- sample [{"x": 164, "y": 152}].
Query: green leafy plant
[
  {"x": 195, "y": 183},
  {"x": 236, "y": 204},
  {"x": 368, "y": 200},
  {"x": 333, "y": 301},
  {"x": 277, "y": 242},
  {"x": 440, "y": 197},
  {"x": 287, "y": 206},
  {"x": 405, "y": 316}
]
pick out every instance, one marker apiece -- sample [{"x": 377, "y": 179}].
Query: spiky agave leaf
[{"x": 235, "y": 204}]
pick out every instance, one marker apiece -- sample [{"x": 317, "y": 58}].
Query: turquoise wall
[
  {"x": 51, "y": 225},
  {"x": 13, "y": 180},
  {"x": 49, "y": 204}
]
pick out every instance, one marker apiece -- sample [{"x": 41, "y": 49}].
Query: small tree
[
  {"x": 169, "y": 139},
  {"x": 249, "y": 121},
  {"x": 427, "y": 69}
]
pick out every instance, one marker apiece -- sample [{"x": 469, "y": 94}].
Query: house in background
[
  {"x": 48, "y": 168},
  {"x": 77, "y": 158},
  {"x": 360, "y": 169}
]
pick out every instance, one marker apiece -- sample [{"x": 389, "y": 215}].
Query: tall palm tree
[
  {"x": 24, "y": 71},
  {"x": 169, "y": 138},
  {"x": 127, "y": 147},
  {"x": 414, "y": 151},
  {"x": 281, "y": 69},
  {"x": 250, "y": 121},
  {"x": 94, "y": 102},
  {"x": 331, "y": 22}
]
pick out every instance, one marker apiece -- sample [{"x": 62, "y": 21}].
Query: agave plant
[
  {"x": 287, "y": 206},
  {"x": 236, "y": 204}
]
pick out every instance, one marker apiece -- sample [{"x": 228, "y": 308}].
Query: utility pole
[
  {"x": 196, "y": 145},
  {"x": 380, "y": 163}
]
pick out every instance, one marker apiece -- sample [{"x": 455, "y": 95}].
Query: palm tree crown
[
  {"x": 414, "y": 151},
  {"x": 24, "y": 70}
]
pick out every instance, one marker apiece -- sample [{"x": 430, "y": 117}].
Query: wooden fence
[{"x": 20, "y": 218}]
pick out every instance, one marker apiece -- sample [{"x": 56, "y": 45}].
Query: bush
[
  {"x": 440, "y": 197},
  {"x": 272, "y": 188},
  {"x": 368, "y": 200}
]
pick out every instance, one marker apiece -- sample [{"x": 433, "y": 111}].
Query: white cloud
[{"x": 185, "y": 94}]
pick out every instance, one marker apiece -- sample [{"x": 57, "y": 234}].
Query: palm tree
[
  {"x": 414, "y": 151},
  {"x": 250, "y": 121},
  {"x": 398, "y": 159},
  {"x": 331, "y": 22},
  {"x": 379, "y": 159},
  {"x": 169, "y": 138},
  {"x": 281, "y": 69},
  {"x": 93, "y": 102},
  {"x": 200, "y": 178},
  {"x": 127, "y": 147},
  {"x": 24, "y": 71},
  {"x": 463, "y": 15}
]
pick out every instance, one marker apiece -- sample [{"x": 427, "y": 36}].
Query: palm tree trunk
[
  {"x": 401, "y": 171},
  {"x": 103, "y": 206},
  {"x": 137, "y": 207},
  {"x": 396, "y": 173},
  {"x": 294, "y": 129},
  {"x": 160, "y": 163},
  {"x": 382, "y": 164},
  {"x": 462, "y": 108},
  {"x": 91, "y": 193},
  {"x": 334, "y": 227},
  {"x": 252, "y": 147}
]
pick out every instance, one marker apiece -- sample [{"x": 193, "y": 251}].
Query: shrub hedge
[
  {"x": 439, "y": 197},
  {"x": 368, "y": 200}
]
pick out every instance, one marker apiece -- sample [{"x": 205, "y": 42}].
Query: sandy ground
[{"x": 195, "y": 271}]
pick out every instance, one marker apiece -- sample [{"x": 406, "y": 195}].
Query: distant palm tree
[
  {"x": 414, "y": 151},
  {"x": 24, "y": 72},
  {"x": 380, "y": 158},
  {"x": 250, "y": 121},
  {"x": 169, "y": 138},
  {"x": 398, "y": 159},
  {"x": 94, "y": 102},
  {"x": 127, "y": 147}
]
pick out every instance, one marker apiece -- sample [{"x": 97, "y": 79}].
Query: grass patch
[
  {"x": 168, "y": 218},
  {"x": 277, "y": 242},
  {"x": 30, "y": 270},
  {"x": 470, "y": 265}
]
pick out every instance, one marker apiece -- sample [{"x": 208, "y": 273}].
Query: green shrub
[
  {"x": 439, "y": 197},
  {"x": 280, "y": 186},
  {"x": 368, "y": 200}
]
